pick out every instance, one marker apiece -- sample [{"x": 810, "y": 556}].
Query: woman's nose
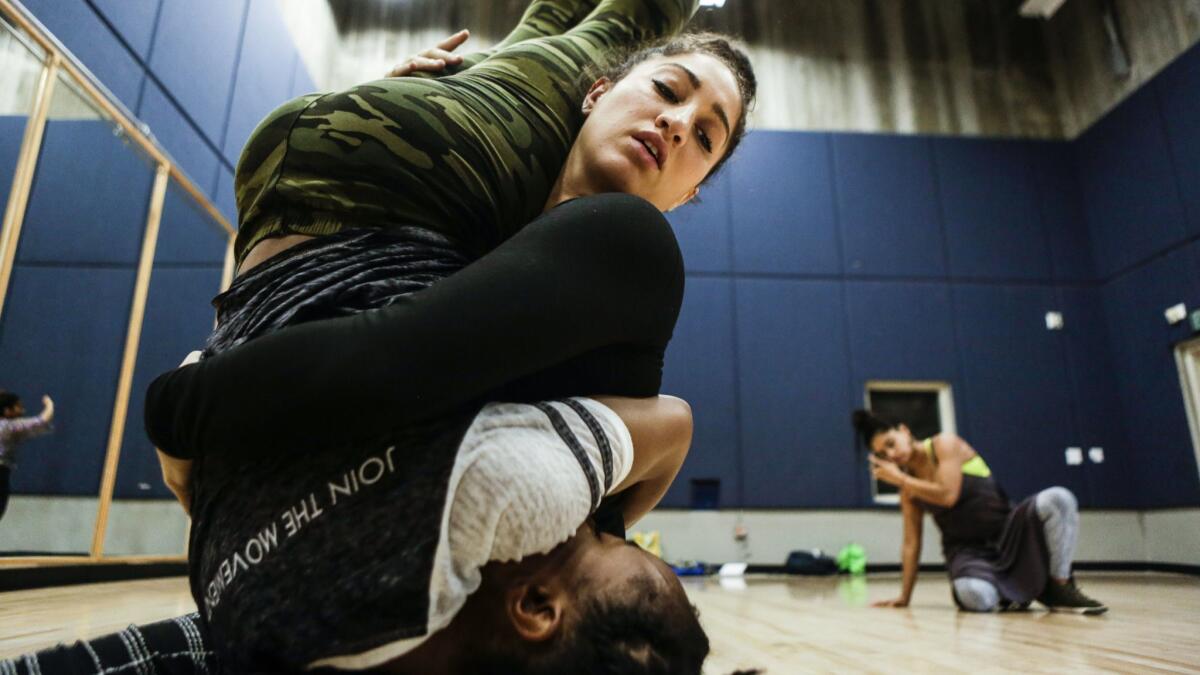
[{"x": 676, "y": 127}]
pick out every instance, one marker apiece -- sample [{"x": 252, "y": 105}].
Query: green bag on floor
[{"x": 852, "y": 558}]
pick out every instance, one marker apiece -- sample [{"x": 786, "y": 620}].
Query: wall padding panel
[
  {"x": 1130, "y": 191},
  {"x": 1060, "y": 203},
  {"x": 265, "y": 68},
  {"x": 302, "y": 82},
  {"x": 178, "y": 318},
  {"x": 194, "y": 54},
  {"x": 62, "y": 334},
  {"x": 700, "y": 368},
  {"x": 223, "y": 196},
  {"x": 1178, "y": 89},
  {"x": 90, "y": 197},
  {"x": 783, "y": 207},
  {"x": 797, "y": 444},
  {"x": 12, "y": 129},
  {"x": 703, "y": 229},
  {"x": 133, "y": 19},
  {"x": 187, "y": 235},
  {"x": 900, "y": 331},
  {"x": 178, "y": 136},
  {"x": 990, "y": 209},
  {"x": 1019, "y": 399},
  {"x": 887, "y": 206},
  {"x": 1161, "y": 446},
  {"x": 78, "y": 27},
  {"x": 1097, "y": 400}
]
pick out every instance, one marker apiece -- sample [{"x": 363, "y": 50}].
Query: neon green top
[{"x": 972, "y": 467}]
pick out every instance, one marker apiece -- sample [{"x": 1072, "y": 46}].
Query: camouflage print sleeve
[{"x": 471, "y": 155}]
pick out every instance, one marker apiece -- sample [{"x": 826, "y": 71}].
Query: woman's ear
[
  {"x": 535, "y": 610},
  {"x": 599, "y": 88}
]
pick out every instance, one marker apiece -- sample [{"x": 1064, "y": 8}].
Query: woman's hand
[
  {"x": 897, "y": 602},
  {"x": 887, "y": 471},
  {"x": 434, "y": 59},
  {"x": 47, "y": 413}
]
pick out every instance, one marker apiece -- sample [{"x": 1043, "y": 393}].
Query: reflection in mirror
[
  {"x": 20, "y": 67},
  {"x": 65, "y": 316},
  {"x": 189, "y": 260}
]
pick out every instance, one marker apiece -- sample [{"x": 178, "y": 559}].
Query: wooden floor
[{"x": 786, "y": 625}]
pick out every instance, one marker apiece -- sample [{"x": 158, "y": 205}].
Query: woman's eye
[
  {"x": 705, "y": 141},
  {"x": 666, "y": 91}
]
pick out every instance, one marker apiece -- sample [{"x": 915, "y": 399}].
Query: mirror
[
  {"x": 189, "y": 259},
  {"x": 66, "y": 314}
]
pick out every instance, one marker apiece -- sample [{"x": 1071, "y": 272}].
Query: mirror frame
[{"x": 59, "y": 61}]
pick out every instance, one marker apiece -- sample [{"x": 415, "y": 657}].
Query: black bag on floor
[{"x": 810, "y": 563}]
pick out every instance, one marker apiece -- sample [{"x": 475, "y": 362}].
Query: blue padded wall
[
  {"x": 1146, "y": 373},
  {"x": 887, "y": 206},
  {"x": 797, "y": 446},
  {"x": 701, "y": 369},
  {"x": 78, "y": 27},
  {"x": 12, "y": 130},
  {"x": 1132, "y": 197},
  {"x": 1097, "y": 400},
  {"x": 702, "y": 227},
  {"x": 901, "y": 331},
  {"x": 783, "y": 211},
  {"x": 187, "y": 235},
  {"x": 195, "y": 56},
  {"x": 1178, "y": 90},
  {"x": 265, "y": 67},
  {"x": 224, "y": 198},
  {"x": 62, "y": 334},
  {"x": 178, "y": 136},
  {"x": 1016, "y": 384},
  {"x": 133, "y": 20},
  {"x": 1060, "y": 204},
  {"x": 103, "y": 223},
  {"x": 990, "y": 209},
  {"x": 302, "y": 82},
  {"x": 168, "y": 335}
]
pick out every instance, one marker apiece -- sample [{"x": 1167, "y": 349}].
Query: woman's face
[
  {"x": 658, "y": 132},
  {"x": 894, "y": 445}
]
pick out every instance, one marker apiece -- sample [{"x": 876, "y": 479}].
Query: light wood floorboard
[{"x": 785, "y": 625}]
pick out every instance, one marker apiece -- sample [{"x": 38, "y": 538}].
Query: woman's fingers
[
  {"x": 451, "y": 43},
  {"x": 441, "y": 54}
]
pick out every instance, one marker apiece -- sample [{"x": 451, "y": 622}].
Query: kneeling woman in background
[{"x": 999, "y": 556}]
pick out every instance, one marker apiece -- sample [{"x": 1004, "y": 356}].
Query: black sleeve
[{"x": 581, "y": 302}]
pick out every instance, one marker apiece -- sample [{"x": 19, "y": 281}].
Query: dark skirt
[{"x": 1016, "y": 562}]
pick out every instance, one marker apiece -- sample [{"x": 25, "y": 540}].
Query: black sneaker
[{"x": 1068, "y": 598}]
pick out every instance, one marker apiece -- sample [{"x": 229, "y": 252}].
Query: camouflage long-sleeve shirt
[
  {"x": 472, "y": 154},
  {"x": 13, "y": 430}
]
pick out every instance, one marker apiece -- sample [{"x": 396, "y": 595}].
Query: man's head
[
  {"x": 10, "y": 404},
  {"x": 595, "y": 604}
]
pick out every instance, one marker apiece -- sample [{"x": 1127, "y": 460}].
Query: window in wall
[
  {"x": 927, "y": 408},
  {"x": 1187, "y": 356}
]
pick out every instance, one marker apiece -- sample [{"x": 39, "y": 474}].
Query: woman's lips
[{"x": 644, "y": 154}]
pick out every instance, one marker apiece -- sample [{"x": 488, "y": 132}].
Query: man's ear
[
  {"x": 535, "y": 610},
  {"x": 689, "y": 196},
  {"x": 599, "y": 88}
]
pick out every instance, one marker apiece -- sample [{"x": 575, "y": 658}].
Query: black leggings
[
  {"x": 5, "y": 473},
  {"x": 582, "y": 301}
]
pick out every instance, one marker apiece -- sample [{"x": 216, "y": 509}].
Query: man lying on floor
[{"x": 463, "y": 545}]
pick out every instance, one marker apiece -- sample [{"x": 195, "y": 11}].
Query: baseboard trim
[
  {"x": 1086, "y": 566},
  {"x": 25, "y": 578}
]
